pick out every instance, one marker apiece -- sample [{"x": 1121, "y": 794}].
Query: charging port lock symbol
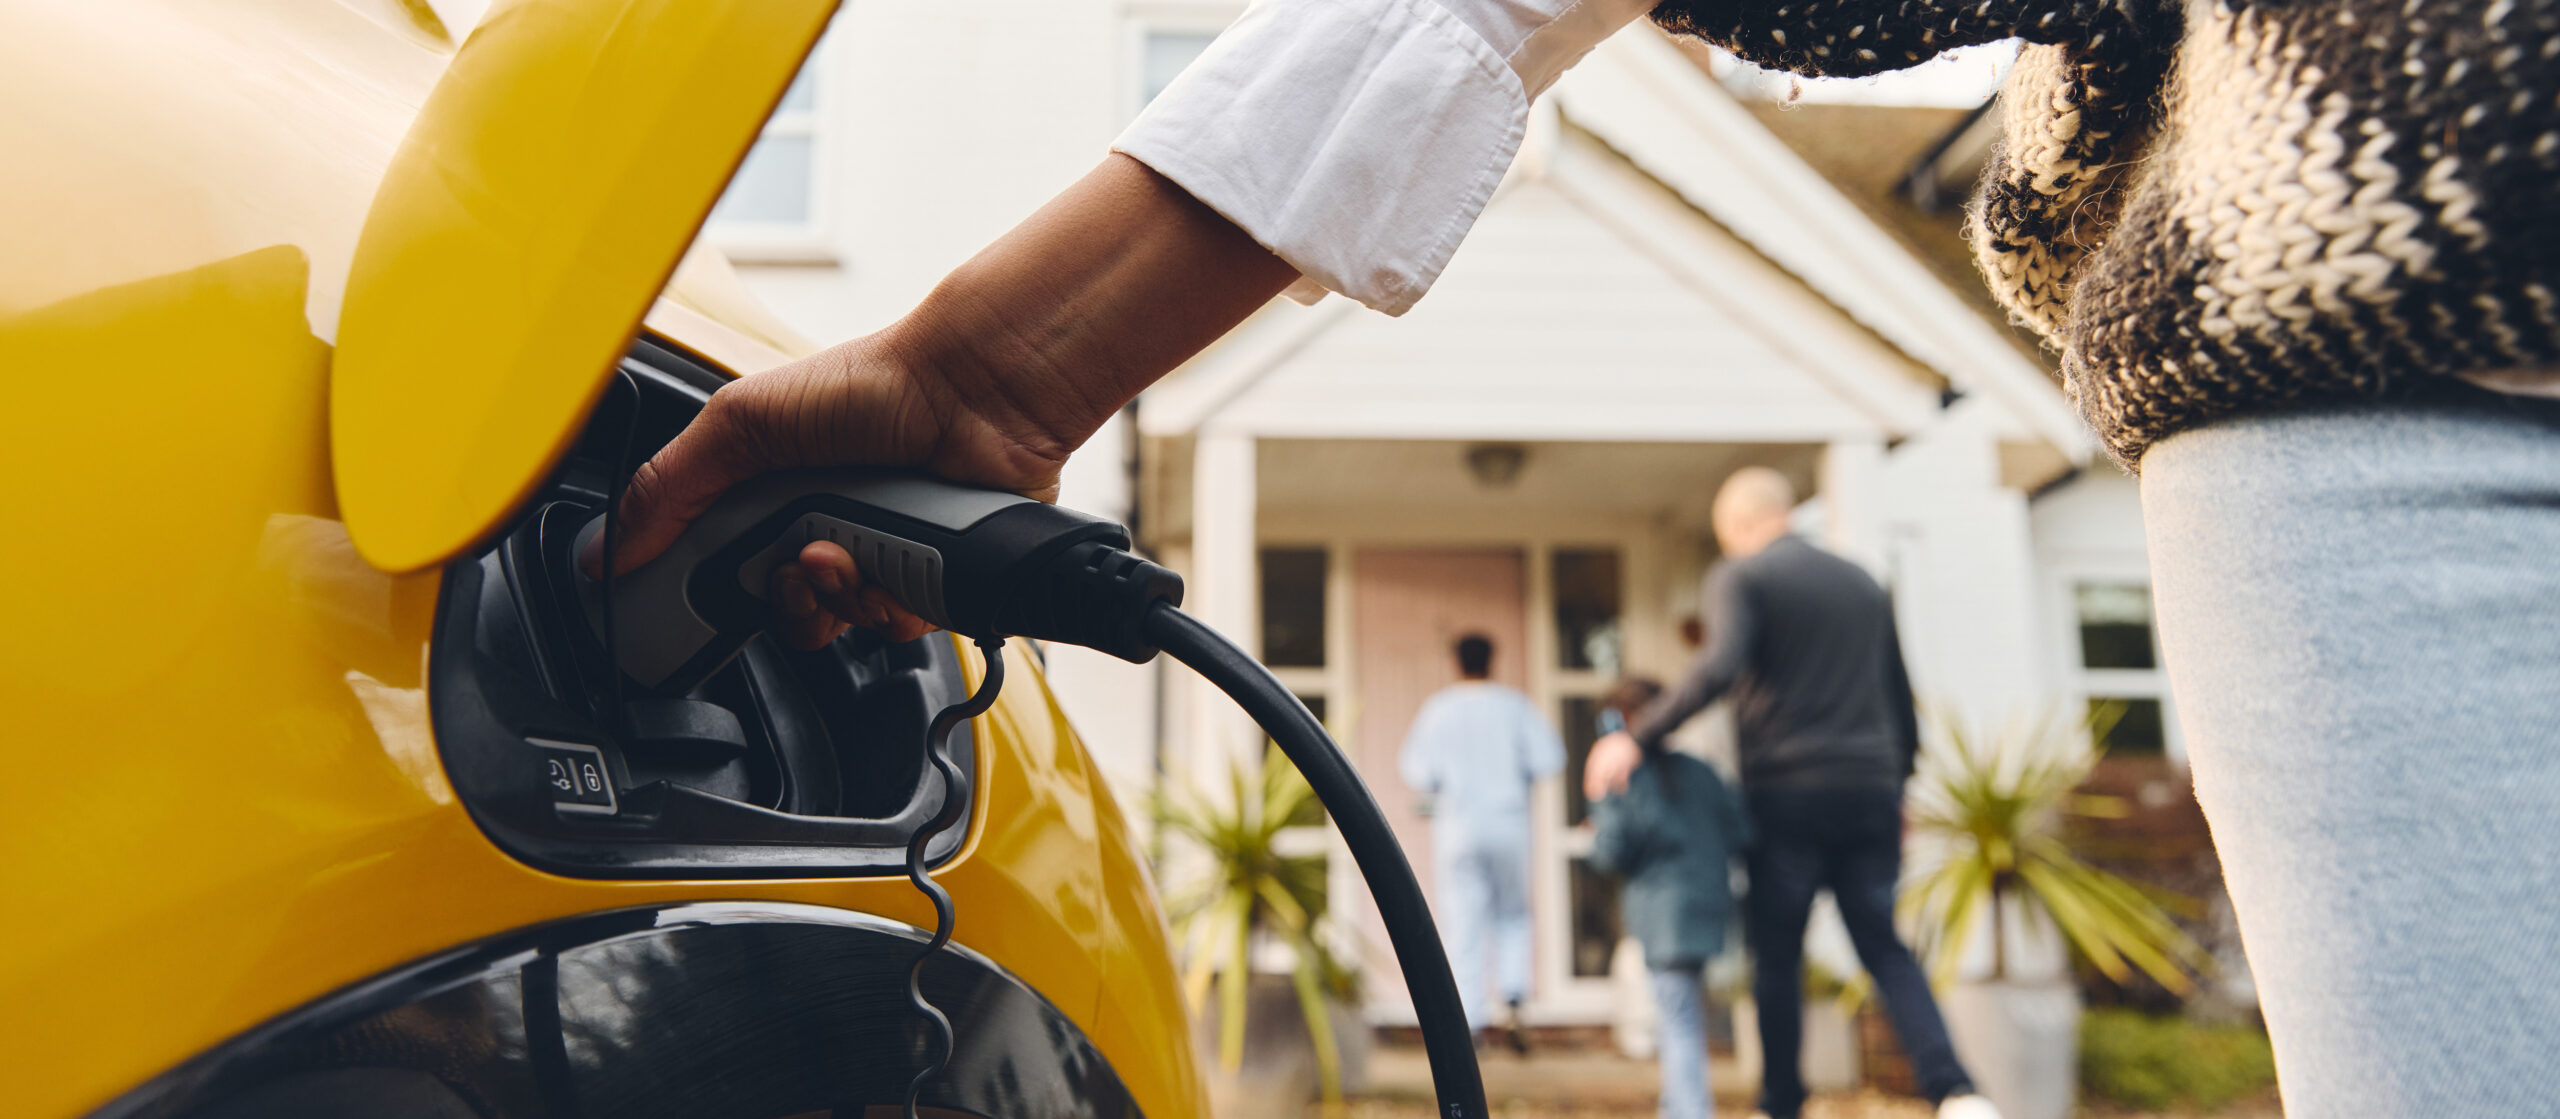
[{"x": 576, "y": 774}]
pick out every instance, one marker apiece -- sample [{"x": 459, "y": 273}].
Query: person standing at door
[
  {"x": 1804, "y": 643},
  {"x": 1476, "y": 751}
]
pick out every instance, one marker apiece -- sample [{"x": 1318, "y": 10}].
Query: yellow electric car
[{"x": 322, "y": 330}]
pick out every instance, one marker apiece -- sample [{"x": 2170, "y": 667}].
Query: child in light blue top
[{"x": 1476, "y": 751}]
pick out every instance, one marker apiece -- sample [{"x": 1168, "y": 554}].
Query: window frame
[
  {"x": 1555, "y": 621},
  {"x": 1314, "y": 684},
  {"x": 1563, "y": 685},
  {"x": 811, "y": 241},
  {"x": 2084, "y": 684},
  {"x": 1169, "y": 17}
]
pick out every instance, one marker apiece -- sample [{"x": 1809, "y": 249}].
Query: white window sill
[{"x": 809, "y": 251}]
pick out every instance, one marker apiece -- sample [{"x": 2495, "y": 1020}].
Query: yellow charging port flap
[{"x": 530, "y": 216}]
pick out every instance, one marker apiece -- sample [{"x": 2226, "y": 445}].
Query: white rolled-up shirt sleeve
[{"x": 1359, "y": 139}]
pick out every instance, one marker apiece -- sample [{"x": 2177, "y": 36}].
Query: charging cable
[
  {"x": 1448, "y": 1043},
  {"x": 955, "y": 800}
]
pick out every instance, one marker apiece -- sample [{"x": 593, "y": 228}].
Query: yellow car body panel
[
  {"x": 226, "y": 799},
  {"x": 536, "y": 206}
]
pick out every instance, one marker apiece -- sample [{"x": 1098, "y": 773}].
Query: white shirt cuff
[{"x": 1356, "y": 139}]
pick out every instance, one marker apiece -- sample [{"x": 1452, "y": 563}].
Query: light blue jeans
[
  {"x": 2360, "y": 612},
  {"x": 1484, "y": 918},
  {"x": 1680, "y": 1045}
]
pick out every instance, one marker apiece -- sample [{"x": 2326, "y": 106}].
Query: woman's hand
[
  {"x": 864, "y": 403},
  {"x": 1011, "y": 363}
]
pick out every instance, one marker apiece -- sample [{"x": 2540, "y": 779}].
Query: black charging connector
[{"x": 1094, "y": 594}]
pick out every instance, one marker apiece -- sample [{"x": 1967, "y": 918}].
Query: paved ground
[
  {"x": 1868, "y": 1106},
  {"x": 1599, "y": 1084},
  {"x": 1582, "y": 1084}
]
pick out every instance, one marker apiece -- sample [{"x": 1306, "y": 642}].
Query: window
[
  {"x": 2115, "y": 625},
  {"x": 1581, "y": 729},
  {"x": 1585, "y": 591},
  {"x": 2119, "y": 667},
  {"x": 1596, "y": 929},
  {"x": 1293, "y": 631},
  {"x": 1585, "y": 584},
  {"x": 2128, "y": 726},
  {"x": 775, "y": 203},
  {"x": 1163, "y": 55}
]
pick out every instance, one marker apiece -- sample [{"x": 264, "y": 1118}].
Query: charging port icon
[{"x": 577, "y": 776}]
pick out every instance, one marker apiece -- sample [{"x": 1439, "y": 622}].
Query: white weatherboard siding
[
  {"x": 2097, "y": 515},
  {"x": 946, "y": 125},
  {"x": 1549, "y": 325},
  {"x": 1961, "y": 562},
  {"x": 1638, "y": 92}
]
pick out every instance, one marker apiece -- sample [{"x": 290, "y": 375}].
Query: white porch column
[
  {"x": 1851, "y": 479},
  {"x": 1223, "y": 591},
  {"x": 1969, "y": 601}
]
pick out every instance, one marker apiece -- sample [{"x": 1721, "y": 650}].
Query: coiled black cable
[
  {"x": 955, "y": 800},
  {"x": 1445, "y": 1037}
]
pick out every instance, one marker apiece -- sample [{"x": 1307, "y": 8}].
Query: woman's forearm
[
  {"x": 1052, "y": 328},
  {"x": 1011, "y": 363}
]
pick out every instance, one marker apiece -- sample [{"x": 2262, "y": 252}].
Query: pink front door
[{"x": 1409, "y": 607}]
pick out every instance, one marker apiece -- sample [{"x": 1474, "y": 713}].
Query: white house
[{"x": 1662, "y": 291}]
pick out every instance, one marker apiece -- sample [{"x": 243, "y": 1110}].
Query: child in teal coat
[{"x": 1673, "y": 836}]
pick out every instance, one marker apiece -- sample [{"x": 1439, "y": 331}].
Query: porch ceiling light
[{"x": 1496, "y": 465}]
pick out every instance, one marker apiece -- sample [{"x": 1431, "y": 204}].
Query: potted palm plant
[
  {"x": 1986, "y": 819},
  {"x": 1249, "y": 891}
]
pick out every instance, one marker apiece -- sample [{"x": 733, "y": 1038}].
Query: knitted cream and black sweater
[{"x": 2220, "y": 208}]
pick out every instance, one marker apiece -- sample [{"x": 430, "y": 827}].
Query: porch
[{"x": 1369, "y": 558}]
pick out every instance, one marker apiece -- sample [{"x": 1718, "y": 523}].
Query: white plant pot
[
  {"x": 1279, "y": 1074},
  {"x": 1830, "y": 1049},
  {"x": 2021, "y": 1042}
]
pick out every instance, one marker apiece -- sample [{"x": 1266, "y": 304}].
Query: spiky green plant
[
  {"x": 1996, "y": 811},
  {"x": 1250, "y": 887}
]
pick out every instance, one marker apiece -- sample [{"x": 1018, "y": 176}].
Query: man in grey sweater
[{"x": 1804, "y": 642}]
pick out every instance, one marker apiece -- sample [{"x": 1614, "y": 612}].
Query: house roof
[
  {"x": 1644, "y": 97},
  {"x": 1698, "y": 255}
]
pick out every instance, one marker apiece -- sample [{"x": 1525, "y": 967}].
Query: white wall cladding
[
  {"x": 945, "y": 125},
  {"x": 1490, "y": 354}
]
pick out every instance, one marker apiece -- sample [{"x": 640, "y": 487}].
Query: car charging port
[
  {"x": 781, "y": 763},
  {"x": 748, "y": 761}
]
